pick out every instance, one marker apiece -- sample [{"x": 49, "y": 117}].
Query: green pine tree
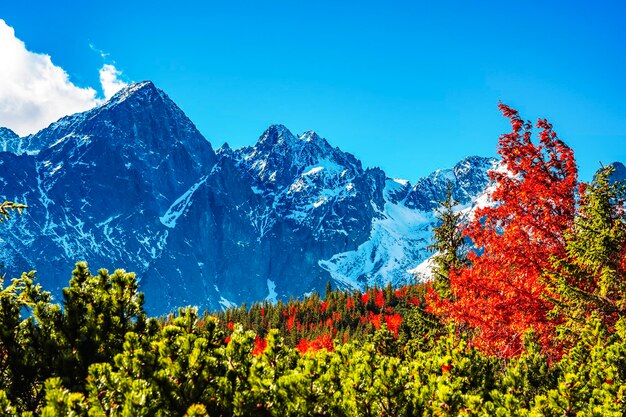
[
  {"x": 592, "y": 278},
  {"x": 8, "y": 206},
  {"x": 448, "y": 245}
]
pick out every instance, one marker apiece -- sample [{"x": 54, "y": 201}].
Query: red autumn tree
[
  {"x": 375, "y": 319},
  {"x": 323, "y": 341},
  {"x": 379, "y": 298},
  {"x": 501, "y": 295},
  {"x": 259, "y": 346},
  {"x": 394, "y": 321}
]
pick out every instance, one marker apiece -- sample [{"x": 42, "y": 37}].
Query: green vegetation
[
  {"x": 532, "y": 322},
  {"x": 99, "y": 355},
  {"x": 7, "y": 207},
  {"x": 449, "y": 245}
]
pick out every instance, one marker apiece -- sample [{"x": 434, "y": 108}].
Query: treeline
[
  {"x": 100, "y": 356},
  {"x": 314, "y": 322},
  {"x": 528, "y": 321}
]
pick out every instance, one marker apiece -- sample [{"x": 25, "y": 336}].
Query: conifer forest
[{"x": 525, "y": 316}]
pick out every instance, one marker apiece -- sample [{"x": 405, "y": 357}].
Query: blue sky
[{"x": 408, "y": 86}]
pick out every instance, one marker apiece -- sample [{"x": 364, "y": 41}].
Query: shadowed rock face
[
  {"x": 8, "y": 139},
  {"x": 619, "y": 172},
  {"x": 132, "y": 184}
]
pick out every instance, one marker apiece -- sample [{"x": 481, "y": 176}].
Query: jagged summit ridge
[
  {"x": 275, "y": 135},
  {"x": 144, "y": 88},
  {"x": 468, "y": 179},
  {"x": 135, "y": 101},
  {"x": 8, "y": 139},
  {"x": 619, "y": 171},
  {"x": 280, "y": 157}
]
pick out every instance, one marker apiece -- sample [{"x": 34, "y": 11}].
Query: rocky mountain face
[
  {"x": 7, "y": 139},
  {"x": 132, "y": 184},
  {"x": 619, "y": 172}
]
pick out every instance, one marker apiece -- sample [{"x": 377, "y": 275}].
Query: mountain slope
[
  {"x": 98, "y": 182},
  {"x": 133, "y": 184}
]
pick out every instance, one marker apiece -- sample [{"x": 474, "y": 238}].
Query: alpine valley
[{"x": 133, "y": 184}]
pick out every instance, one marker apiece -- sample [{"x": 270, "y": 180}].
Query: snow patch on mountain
[
  {"x": 181, "y": 204},
  {"x": 272, "y": 295},
  {"x": 424, "y": 271},
  {"x": 396, "y": 241}
]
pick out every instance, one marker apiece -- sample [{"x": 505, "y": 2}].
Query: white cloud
[
  {"x": 109, "y": 78},
  {"x": 99, "y": 51},
  {"x": 34, "y": 92}
]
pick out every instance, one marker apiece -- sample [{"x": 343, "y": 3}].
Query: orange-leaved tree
[{"x": 501, "y": 296}]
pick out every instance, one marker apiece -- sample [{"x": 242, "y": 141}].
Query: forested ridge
[{"x": 527, "y": 320}]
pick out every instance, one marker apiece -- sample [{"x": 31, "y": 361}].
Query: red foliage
[
  {"x": 259, "y": 346},
  {"x": 290, "y": 322},
  {"x": 379, "y": 299},
  {"x": 231, "y": 326},
  {"x": 365, "y": 298},
  {"x": 323, "y": 341},
  {"x": 501, "y": 293},
  {"x": 303, "y": 346},
  {"x": 375, "y": 320},
  {"x": 336, "y": 316},
  {"x": 401, "y": 293},
  {"x": 394, "y": 321},
  {"x": 324, "y": 306},
  {"x": 349, "y": 303},
  {"x": 414, "y": 300},
  {"x": 262, "y": 311}
]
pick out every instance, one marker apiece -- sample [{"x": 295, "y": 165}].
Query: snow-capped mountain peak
[
  {"x": 8, "y": 139},
  {"x": 276, "y": 135},
  {"x": 133, "y": 184},
  {"x": 144, "y": 88}
]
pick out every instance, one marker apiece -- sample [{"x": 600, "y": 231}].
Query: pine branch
[{"x": 7, "y": 207}]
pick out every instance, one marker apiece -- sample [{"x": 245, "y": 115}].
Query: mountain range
[{"x": 133, "y": 184}]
